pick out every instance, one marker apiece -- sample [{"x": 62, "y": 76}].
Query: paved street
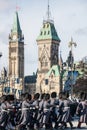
[
  {"x": 84, "y": 127},
  {"x": 75, "y": 122}
]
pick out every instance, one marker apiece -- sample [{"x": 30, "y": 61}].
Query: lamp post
[{"x": 71, "y": 44}]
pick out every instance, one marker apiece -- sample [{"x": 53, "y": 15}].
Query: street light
[{"x": 71, "y": 44}]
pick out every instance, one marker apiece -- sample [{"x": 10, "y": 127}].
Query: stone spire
[
  {"x": 48, "y": 11},
  {"x": 48, "y": 14},
  {"x": 48, "y": 30},
  {"x": 16, "y": 24}
]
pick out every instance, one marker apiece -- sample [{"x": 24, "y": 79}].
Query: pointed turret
[
  {"x": 16, "y": 32},
  {"x": 16, "y": 24},
  {"x": 48, "y": 31},
  {"x": 16, "y": 57}
]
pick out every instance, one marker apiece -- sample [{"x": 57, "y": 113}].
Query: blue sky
[{"x": 70, "y": 19}]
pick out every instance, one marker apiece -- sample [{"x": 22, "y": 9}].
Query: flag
[{"x": 17, "y": 8}]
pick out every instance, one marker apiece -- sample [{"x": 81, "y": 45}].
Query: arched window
[{"x": 44, "y": 62}]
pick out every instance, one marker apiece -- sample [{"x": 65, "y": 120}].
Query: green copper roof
[
  {"x": 48, "y": 31},
  {"x": 16, "y": 25},
  {"x": 55, "y": 69}
]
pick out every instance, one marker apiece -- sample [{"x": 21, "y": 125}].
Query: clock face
[{"x": 14, "y": 37}]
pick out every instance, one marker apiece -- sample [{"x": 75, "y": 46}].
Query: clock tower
[
  {"x": 16, "y": 56},
  {"x": 48, "y": 49}
]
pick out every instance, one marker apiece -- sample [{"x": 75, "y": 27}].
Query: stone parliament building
[{"x": 47, "y": 77}]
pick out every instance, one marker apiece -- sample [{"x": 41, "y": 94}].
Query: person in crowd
[
  {"x": 40, "y": 111},
  {"x": 59, "y": 111},
  {"x": 46, "y": 112},
  {"x": 54, "y": 102},
  {"x": 66, "y": 115},
  {"x": 82, "y": 110},
  {"x": 7, "y": 114},
  {"x": 25, "y": 118},
  {"x": 36, "y": 104},
  {"x": 3, "y": 114}
]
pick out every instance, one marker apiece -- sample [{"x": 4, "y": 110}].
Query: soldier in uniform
[
  {"x": 25, "y": 118},
  {"x": 40, "y": 111},
  {"x": 54, "y": 102},
  {"x": 59, "y": 109},
  {"x": 66, "y": 116},
  {"x": 3, "y": 114},
  {"x": 46, "y": 112},
  {"x": 36, "y": 104},
  {"x": 6, "y": 113},
  {"x": 82, "y": 110}
]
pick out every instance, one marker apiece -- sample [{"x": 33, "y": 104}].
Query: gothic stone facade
[{"x": 48, "y": 49}]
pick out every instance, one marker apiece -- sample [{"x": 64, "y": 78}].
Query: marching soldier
[
  {"x": 46, "y": 112},
  {"x": 25, "y": 118},
  {"x": 40, "y": 112},
  {"x": 82, "y": 110},
  {"x": 3, "y": 115},
  {"x": 54, "y": 102},
  {"x": 66, "y": 116}
]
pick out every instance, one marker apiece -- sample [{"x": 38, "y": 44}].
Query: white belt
[
  {"x": 25, "y": 109},
  {"x": 45, "y": 109},
  {"x": 66, "y": 107},
  {"x": 32, "y": 108},
  {"x": 4, "y": 110},
  {"x": 57, "y": 106}
]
